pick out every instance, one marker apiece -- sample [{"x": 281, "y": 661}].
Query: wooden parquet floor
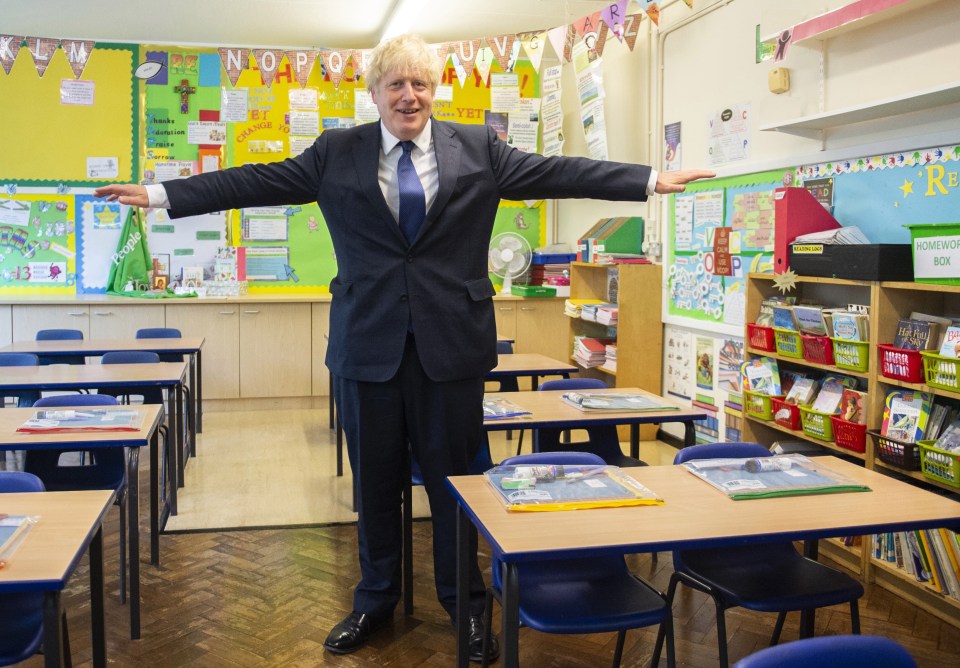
[{"x": 269, "y": 597}]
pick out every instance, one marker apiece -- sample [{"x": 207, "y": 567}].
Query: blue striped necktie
[{"x": 413, "y": 207}]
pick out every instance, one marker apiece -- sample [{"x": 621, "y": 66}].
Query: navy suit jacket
[{"x": 440, "y": 281}]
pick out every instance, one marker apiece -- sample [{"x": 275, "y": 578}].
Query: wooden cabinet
[
  {"x": 28, "y": 319},
  {"x": 6, "y": 325},
  {"x": 219, "y": 325},
  {"x": 120, "y": 321},
  {"x": 535, "y": 325},
  {"x": 275, "y": 350},
  {"x": 639, "y": 332},
  {"x": 888, "y": 301}
]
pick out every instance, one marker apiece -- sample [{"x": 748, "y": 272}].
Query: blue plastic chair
[
  {"x": 151, "y": 395},
  {"x": 60, "y": 335},
  {"x": 21, "y": 613},
  {"x": 846, "y": 651},
  {"x": 769, "y": 577},
  {"x": 162, "y": 333},
  {"x": 25, "y": 398},
  {"x": 603, "y": 440},
  {"x": 106, "y": 470},
  {"x": 481, "y": 462},
  {"x": 587, "y": 595}
]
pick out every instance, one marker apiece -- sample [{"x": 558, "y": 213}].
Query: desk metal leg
[
  {"x": 53, "y": 650},
  {"x": 808, "y": 618},
  {"x": 198, "y": 393},
  {"x": 133, "y": 533},
  {"x": 510, "y": 633},
  {"x": 689, "y": 434},
  {"x": 635, "y": 441},
  {"x": 190, "y": 416},
  {"x": 156, "y": 484},
  {"x": 97, "y": 610},
  {"x": 463, "y": 588},
  {"x": 176, "y": 426}
]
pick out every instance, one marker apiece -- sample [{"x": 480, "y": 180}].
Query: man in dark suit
[{"x": 410, "y": 204}]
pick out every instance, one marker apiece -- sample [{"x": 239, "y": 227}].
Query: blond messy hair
[{"x": 406, "y": 55}]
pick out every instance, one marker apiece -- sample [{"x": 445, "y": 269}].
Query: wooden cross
[{"x": 185, "y": 90}]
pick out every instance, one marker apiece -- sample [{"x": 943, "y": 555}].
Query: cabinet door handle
[
  {"x": 227, "y": 312},
  {"x": 252, "y": 312},
  {"x": 76, "y": 314},
  {"x": 504, "y": 308},
  {"x": 103, "y": 312},
  {"x": 528, "y": 308}
]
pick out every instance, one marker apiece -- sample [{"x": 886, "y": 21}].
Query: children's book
[
  {"x": 787, "y": 379},
  {"x": 810, "y": 320},
  {"x": 940, "y": 320},
  {"x": 905, "y": 415},
  {"x": 849, "y": 326},
  {"x": 802, "y": 392},
  {"x": 950, "y": 438},
  {"x": 950, "y": 346},
  {"x": 783, "y": 317},
  {"x": 916, "y": 334},
  {"x": 761, "y": 375},
  {"x": 829, "y": 397},
  {"x": 852, "y": 406}
]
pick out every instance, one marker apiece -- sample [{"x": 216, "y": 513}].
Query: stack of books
[
  {"x": 589, "y": 352},
  {"x": 573, "y": 307},
  {"x": 610, "y": 364},
  {"x": 608, "y": 314}
]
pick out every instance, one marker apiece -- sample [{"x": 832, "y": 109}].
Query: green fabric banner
[{"x": 131, "y": 269}]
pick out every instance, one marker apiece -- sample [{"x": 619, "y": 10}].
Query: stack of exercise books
[
  {"x": 610, "y": 363},
  {"x": 573, "y": 307},
  {"x": 616, "y": 401},
  {"x": 608, "y": 314},
  {"x": 590, "y": 352}
]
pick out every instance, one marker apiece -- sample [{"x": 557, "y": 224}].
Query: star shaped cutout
[
  {"x": 907, "y": 187},
  {"x": 786, "y": 281}
]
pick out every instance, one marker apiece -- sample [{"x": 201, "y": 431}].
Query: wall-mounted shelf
[
  {"x": 851, "y": 17},
  {"x": 814, "y": 125}
]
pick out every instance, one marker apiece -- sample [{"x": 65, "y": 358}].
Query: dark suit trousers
[{"x": 442, "y": 421}]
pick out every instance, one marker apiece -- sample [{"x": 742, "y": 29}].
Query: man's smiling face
[{"x": 405, "y": 102}]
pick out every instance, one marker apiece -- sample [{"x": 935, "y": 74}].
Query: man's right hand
[{"x": 131, "y": 194}]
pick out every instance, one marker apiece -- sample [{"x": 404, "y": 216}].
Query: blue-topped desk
[
  {"x": 694, "y": 515},
  {"x": 11, "y": 439},
  {"x": 69, "y": 525}
]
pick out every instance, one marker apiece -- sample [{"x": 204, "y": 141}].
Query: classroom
[{"x": 784, "y": 279}]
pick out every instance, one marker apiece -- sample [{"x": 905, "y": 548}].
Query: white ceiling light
[{"x": 402, "y": 18}]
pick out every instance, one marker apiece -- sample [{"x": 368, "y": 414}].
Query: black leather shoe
[
  {"x": 352, "y": 633},
  {"x": 475, "y": 641}
]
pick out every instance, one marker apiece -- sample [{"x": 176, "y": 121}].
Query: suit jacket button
[
  {"x": 403, "y": 298},
  {"x": 409, "y": 258}
]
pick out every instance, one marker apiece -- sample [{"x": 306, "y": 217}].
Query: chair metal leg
[
  {"x": 520, "y": 442},
  {"x": 671, "y": 647},
  {"x": 618, "y": 652},
  {"x": 721, "y": 634},
  {"x": 661, "y": 633},
  {"x": 778, "y": 628},
  {"x": 67, "y": 659}
]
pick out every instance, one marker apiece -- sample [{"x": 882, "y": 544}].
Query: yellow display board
[{"x": 54, "y": 125}]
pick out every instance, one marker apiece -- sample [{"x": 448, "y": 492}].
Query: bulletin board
[
  {"x": 881, "y": 193},
  {"x": 47, "y": 141},
  {"x": 698, "y": 294}
]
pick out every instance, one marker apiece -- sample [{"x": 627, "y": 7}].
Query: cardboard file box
[{"x": 864, "y": 262}]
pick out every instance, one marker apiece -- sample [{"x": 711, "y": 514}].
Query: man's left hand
[{"x": 675, "y": 182}]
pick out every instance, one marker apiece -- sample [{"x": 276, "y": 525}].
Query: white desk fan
[{"x": 509, "y": 256}]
